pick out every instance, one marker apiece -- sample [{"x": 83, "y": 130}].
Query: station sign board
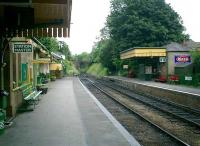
[
  {"x": 182, "y": 58},
  {"x": 22, "y": 48},
  {"x": 125, "y": 66},
  {"x": 162, "y": 59},
  {"x": 188, "y": 78}
]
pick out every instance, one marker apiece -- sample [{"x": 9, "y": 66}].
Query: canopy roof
[
  {"x": 35, "y": 18},
  {"x": 143, "y": 52}
]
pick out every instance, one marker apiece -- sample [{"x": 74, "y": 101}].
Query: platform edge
[{"x": 132, "y": 141}]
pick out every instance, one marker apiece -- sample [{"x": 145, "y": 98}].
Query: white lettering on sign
[
  {"x": 125, "y": 66},
  {"x": 182, "y": 59},
  {"x": 162, "y": 59},
  {"x": 188, "y": 78},
  {"x": 22, "y": 48}
]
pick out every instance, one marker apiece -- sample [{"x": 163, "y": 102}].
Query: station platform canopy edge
[
  {"x": 35, "y": 18},
  {"x": 143, "y": 52}
]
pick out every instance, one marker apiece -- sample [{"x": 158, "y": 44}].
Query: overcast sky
[{"x": 89, "y": 16}]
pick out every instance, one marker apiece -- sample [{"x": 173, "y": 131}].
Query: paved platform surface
[
  {"x": 66, "y": 116},
  {"x": 178, "y": 88}
]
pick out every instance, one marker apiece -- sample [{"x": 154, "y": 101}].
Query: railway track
[
  {"x": 154, "y": 104},
  {"x": 187, "y": 114}
]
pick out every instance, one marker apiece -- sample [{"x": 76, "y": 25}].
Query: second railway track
[{"x": 184, "y": 133}]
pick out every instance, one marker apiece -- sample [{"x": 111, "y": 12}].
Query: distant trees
[
  {"x": 134, "y": 23},
  {"x": 64, "y": 49},
  {"x": 103, "y": 52},
  {"x": 51, "y": 44},
  {"x": 82, "y": 61}
]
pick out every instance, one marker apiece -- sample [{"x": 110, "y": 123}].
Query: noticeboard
[
  {"x": 24, "y": 71},
  {"x": 125, "y": 66},
  {"x": 188, "y": 78},
  {"x": 162, "y": 59},
  {"x": 22, "y": 48}
]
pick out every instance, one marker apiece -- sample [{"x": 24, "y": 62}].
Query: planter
[
  {"x": 53, "y": 78},
  {"x": 42, "y": 88}
]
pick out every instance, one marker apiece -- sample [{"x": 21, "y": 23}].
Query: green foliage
[
  {"x": 134, "y": 23},
  {"x": 103, "y": 52},
  {"x": 196, "y": 61},
  {"x": 82, "y": 61},
  {"x": 97, "y": 70},
  {"x": 69, "y": 68},
  {"x": 107, "y": 54},
  {"x": 143, "y": 23},
  {"x": 64, "y": 49},
  {"x": 95, "y": 55},
  {"x": 51, "y": 43}
]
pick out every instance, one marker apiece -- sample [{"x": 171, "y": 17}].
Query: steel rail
[
  {"x": 195, "y": 111},
  {"x": 138, "y": 114},
  {"x": 157, "y": 107}
]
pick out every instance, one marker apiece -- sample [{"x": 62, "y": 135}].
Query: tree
[
  {"x": 196, "y": 61},
  {"x": 107, "y": 54},
  {"x": 103, "y": 52},
  {"x": 53, "y": 45},
  {"x": 95, "y": 54},
  {"x": 144, "y": 23},
  {"x": 136, "y": 23},
  {"x": 50, "y": 43},
  {"x": 82, "y": 61},
  {"x": 64, "y": 49}
]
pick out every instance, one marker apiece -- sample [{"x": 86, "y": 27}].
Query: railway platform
[
  {"x": 177, "y": 88},
  {"x": 183, "y": 95},
  {"x": 68, "y": 115}
]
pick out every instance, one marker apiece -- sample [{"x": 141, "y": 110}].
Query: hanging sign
[
  {"x": 182, "y": 59},
  {"x": 162, "y": 59},
  {"x": 22, "y": 48},
  {"x": 125, "y": 66}
]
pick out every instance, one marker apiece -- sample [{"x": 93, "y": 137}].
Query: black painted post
[{"x": 2, "y": 62}]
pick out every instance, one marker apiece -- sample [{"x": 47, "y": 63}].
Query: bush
[
  {"x": 69, "y": 68},
  {"x": 97, "y": 70}
]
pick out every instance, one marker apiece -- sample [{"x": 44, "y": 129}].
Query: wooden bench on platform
[{"x": 30, "y": 96}]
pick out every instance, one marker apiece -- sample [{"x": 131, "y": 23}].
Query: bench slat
[
  {"x": 29, "y": 96},
  {"x": 37, "y": 94}
]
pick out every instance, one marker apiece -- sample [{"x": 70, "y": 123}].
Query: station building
[
  {"x": 147, "y": 59},
  {"x": 19, "y": 21},
  {"x": 56, "y": 66},
  {"x": 154, "y": 62},
  {"x": 24, "y": 60}
]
